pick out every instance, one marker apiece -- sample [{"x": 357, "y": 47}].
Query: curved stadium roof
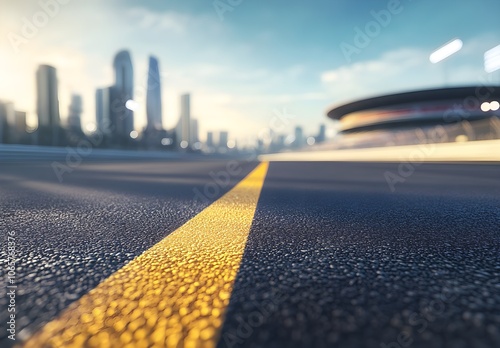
[{"x": 411, "y": 107}]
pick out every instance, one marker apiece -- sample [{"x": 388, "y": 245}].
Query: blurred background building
[
  {"x": 103, "y": 110},
  {"x": 49, "y": 122},
  {"x": 183, "y": 129},
  {"x": 153, "y": 98},
  {"x": 122, "y": 100}
]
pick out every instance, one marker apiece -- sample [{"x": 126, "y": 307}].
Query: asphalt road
[{"x": 336, "y": 256}]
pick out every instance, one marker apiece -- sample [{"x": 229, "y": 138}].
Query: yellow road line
[{"x": 173, "y": 295}]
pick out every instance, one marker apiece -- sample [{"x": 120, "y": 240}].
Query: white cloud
[
  {"x": 395, "y": 71},
  {"x": 153, "y": 20},
  {"x": 172, "y": 22}
]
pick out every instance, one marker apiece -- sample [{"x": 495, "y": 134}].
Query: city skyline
[
  {"x": 122, "y": 92},
  {"x": 239, "y": 75},
  {"x": 115, "y": 107},
  {"x": 114, "y": 118},
  {"x": 154, "y": 99},
  {"x": 47, "y": 101}
]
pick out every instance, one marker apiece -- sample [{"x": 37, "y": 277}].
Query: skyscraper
[
  {"x": 223, "y": 139},
  {"x": 184, "y": 125},
  {"x": 75, "y": 112},
  {"x": 47, "y": 105},
  {"x": 210, "y": 139},
  {"x": 321, "y": 135},
  {"x": 122, "y": 117},
  {"x": 103, "y": 110},
  {"x": 153, "y": 98},
  {"x": 299, "y": 137},
  {"x": 21, "y": 122},
  {"x": 194, "y": 132},
  {"x": 7, "y": 113},
  {"x": 12, "y": 124}
]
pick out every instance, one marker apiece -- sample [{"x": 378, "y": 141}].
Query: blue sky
[{"x": 260, "y": 58}]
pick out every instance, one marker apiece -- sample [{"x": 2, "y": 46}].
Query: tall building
[
  {"x": 12, "y": 124},
  {"x": 184, "y": 125},
  {"x": 194, "y": 132},
  {"x": 153, "y": 98},
  {"x": 47, "y": 105},
  {"x": 322, "y": 134},
  {"x": 18, "y": 130},
  {"x": 75, "y": 112},
  {"x": 7, "y": 114},
  {"x": 21, "y": 122},
  {"x": 103, "y": 110},
  {"x": 210, "y": 139},
  {"x": 223, "y": 139},
  {"x": 122, "y": 92},
  {"x": 299, "y": 137}
]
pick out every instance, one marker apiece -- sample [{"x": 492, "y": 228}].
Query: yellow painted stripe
[{"x": 175, "y": 294}]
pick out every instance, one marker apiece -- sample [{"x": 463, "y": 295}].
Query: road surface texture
[{"x": 154, "y": 252}]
